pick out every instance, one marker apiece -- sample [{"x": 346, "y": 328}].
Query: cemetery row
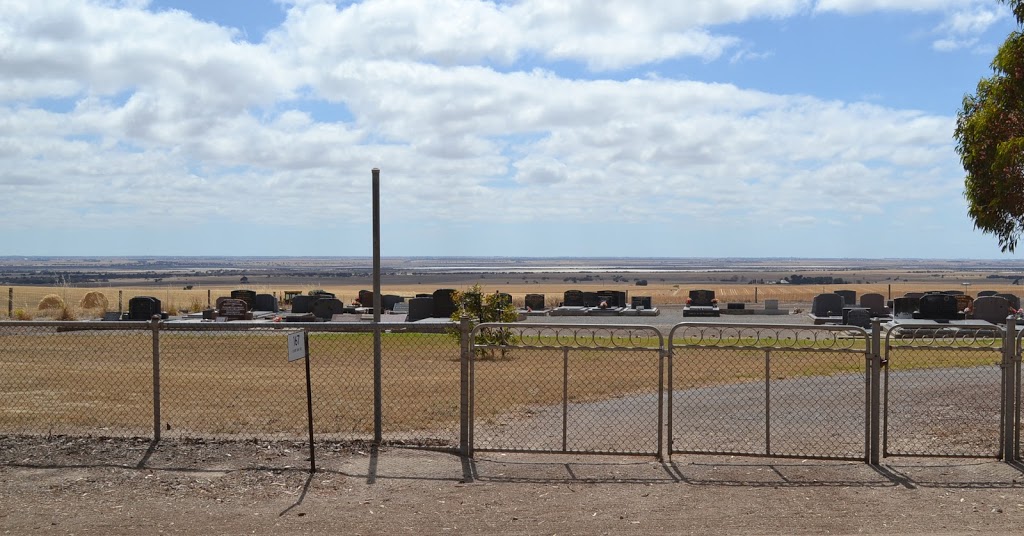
[{"x": 940, "y": 307}]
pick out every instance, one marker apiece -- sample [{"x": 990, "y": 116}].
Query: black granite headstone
[
  {"x": 389, "y": 301},
  {"x": 905, "y": 307},
  {"x": 849, "y": 297},
  {"x": 143, "y": 308},
  {"x": 701, "y": 298},
  {"x": 444, "y": 306},
  {"x": 265, "y": 302},
  {"x": 859, "y": 317},
  {"x": 937, "y": 307},
  {"x": 303, "y": 304},
  {"x": 984, "y": 293},
  {"x": 325, "y": 308},
  {"x": 829, "y": 304},
  {"x": 642, "y": 302},
  {"x": 573, "y": 298},
  {"x": 249, "y": 296}
]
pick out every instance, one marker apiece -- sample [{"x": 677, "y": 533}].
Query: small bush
[
  {"x": 66, "y": 313},
  {"x": 21, "y": 314},
  {"x": 94, "y": 300}
]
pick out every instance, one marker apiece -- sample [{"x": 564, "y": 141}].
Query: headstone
[
  {"x": 266, "y": 302},
  {"x": 365, "y": 298},
  {"x": 218, "y": 301},
  {"x": 590, "y": 299},
  {"x": 420, "y": 308},
  {"x": 535, "y": 302},
  {"x": 248, "y": 296},
  {"x": 303, "y": 304},
  {"x": 859, "y": 317},
  {"x": 849, "y": 297},
  {"x": 400, "y": 308},
  {"x": 573, "y": 298},
  {"x": 937, "y": 307},
  {"x": 389, "y": 301},
  {"x": 985, "y": 293},
  {"x": 1012, "y": 298},
  {"x": 954, "y": 292},
  {"x": 233, "y": 309},
  {"x": 830, "y": 304},
  {"x": 905, "y": 307},
  {"x": 325, "y": 308},
  {"x": 701, "y": 298},
  {"x": 642, "y": 302},
  {"x": 963, "y": 302},
  {"x": 992, "y": 309},
  {"x": 444, "y": 307},
  {"x": 424, "y": 295},
  {"x": 736, "y": 306},
  {"x": 143, "y": 308},
  {"x": 873, "y": 302},
  {"x": 607, "y": 299},
  {"x": 771, "y": 305}
]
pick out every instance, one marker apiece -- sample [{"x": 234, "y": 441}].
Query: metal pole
[
  {"x": 120, "y": 302},
  {"x": 755, "y": 294},
  {"x": 208, "y": 302},
  {"x": 377, "y": 368},
  {"x": 155, "y": 326},
  {"x": 768, "y": 402},
  {"x": 309, "y": 404},
  {"x": 661, "y": 399},
  {"x": 1009, "y": 424},
  {"x": 874, "y": 400},
  {"x": 465, "y": 385},
  {"x": 565, "y": 398}
]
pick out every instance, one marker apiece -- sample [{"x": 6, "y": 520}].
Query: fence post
[
  {"x": 155, "y": 326},
  {"x": 875, "y": 397},
  {"x": 1009, "y": 392},
  {"x": 465, "y": 388},
  {"x": 10, "y": 302}
]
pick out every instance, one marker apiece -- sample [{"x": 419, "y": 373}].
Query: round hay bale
[
  {"x": 50, "y": 301},
  {"x": 94, "y": 300}
]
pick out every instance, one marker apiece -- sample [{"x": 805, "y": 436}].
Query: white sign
[{"x": 296, "y": 346}]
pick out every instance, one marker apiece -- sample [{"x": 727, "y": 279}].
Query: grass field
[{"x": 239, "y": 384}]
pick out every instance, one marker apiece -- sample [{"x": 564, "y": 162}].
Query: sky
[{"x": 521, "y": 128}]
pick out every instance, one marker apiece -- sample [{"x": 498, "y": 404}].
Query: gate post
[
  {"x": 874, "y": 396},
  {"x": 1008, "y": 425},
  {"x": 465, "y": 388},
  {"x": 155, "y": 327}
]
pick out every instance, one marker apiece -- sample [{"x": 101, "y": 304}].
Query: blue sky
[{"x": 706, "y": 128}]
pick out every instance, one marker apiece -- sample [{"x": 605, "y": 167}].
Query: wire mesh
[
  {"x": 420, "y": 388},
  {"x": 567, "y": 388},
  {"x": 64, "y": 379},
  {"x": 942, "y": 392},
  {"x": 768, "y": 390}
]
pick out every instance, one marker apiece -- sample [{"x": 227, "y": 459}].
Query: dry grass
[{"x": 240, "y": 383}]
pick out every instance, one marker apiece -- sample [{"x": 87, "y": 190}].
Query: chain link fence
[
  {"x": 785, "y": 391},
  {"x": 567, "y": 388},
  {"x": 943, "y": 391},
  {"x": 70, "y": 379}
]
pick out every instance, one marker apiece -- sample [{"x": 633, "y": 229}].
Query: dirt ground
[{"x": 94, "y": 486}]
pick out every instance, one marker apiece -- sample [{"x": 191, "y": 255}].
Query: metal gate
[
  {"x": 566, "y": 388},
  {"x": 769, "y": 390},
  {"x": 945, "y": 391}
]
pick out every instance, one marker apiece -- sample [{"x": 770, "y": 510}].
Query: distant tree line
[{"x": 797, "y": 279}]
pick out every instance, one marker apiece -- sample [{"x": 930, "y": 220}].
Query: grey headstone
[
  {"x": 859, "y": 317},
  {"x": 266, "y": 302},
  {"x": 326, "y": 308},
  {"x": 993, "y": 309},
  {"x": 535, "y": 302},
  {"x": 873, "y": 302},
  {"x": 827, "y": 305},
  {"x": 233, "y": 309},
  {"x": 1012, "y": 298},
  {"x": 771, "y": 305},
  {"x": 303, "y": 304},
  {"x": 849, "y": 297},
  {"x": 420, "y": 308}
]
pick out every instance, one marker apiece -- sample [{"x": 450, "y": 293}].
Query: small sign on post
[{"x": 296, "y": 346}]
